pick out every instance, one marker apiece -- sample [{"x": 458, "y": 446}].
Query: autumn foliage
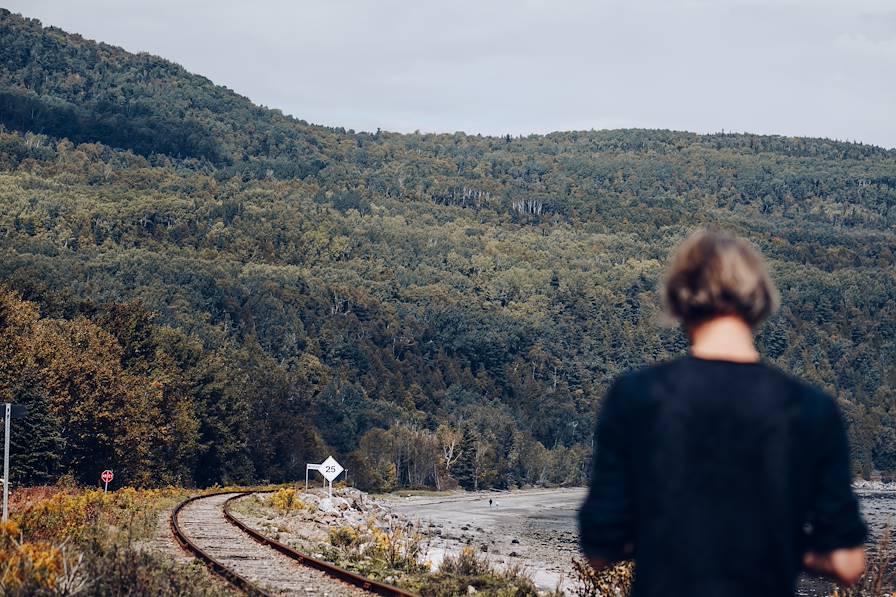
[
  {"x": 202, "y": 290},
  {"x": 93, "y": 406},
  {"x": 67, "y": 541}
]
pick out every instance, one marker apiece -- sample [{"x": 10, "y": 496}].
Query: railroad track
[{"x": 256, "y": 564}]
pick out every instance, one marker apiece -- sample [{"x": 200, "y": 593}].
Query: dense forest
[{"x": 196, "y": 290}]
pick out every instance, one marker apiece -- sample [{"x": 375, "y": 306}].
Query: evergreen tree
[
  {"x": 464, "y": 469},
  {"x": 505, "y": 452},
  {"x": 36, "y": 443}
]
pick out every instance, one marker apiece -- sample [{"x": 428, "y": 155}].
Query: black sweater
[{"x": 721, "y": 475}]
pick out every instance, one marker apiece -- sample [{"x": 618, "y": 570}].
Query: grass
[
  {"x": 469, "y": 572},
  {"x": 67, "y": 540},
  {"x": 615, "y": 580}
]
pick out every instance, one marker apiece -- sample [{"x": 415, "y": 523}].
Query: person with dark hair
[{"x": 718, "y": 473}]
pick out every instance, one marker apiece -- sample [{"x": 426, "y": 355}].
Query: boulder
[
  {"x": 352, "y": 494},
  {"x": 309, "y": 498},
  {"x": 326, "y": 505},
  {"x": 340, "y": 503},
  {"x": 353, "y": 518}
]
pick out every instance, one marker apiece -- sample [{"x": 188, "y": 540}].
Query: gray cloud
[{"x": 795, "y": 67}]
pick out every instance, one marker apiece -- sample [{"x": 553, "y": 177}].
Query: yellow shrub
[
  {"x": 9, "y": 530},
  {"x": 614, "y": 580},
  {"x": 38, "y": 563},
  {"x": 343, "y": 536},
  {"x": 397, "y": 548},
  {"x": 286, "y": 500},
  {"x": 70, "y": 514},
  {"x": 62, "y": 515}
]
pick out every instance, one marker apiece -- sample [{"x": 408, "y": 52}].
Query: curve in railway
[{"x": 256, "y": 564}]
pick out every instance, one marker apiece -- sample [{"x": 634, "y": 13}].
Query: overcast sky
[{"x": 822, "y": 68}]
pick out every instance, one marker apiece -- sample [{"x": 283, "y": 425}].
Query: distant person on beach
[{"x": 719, "y": 474}]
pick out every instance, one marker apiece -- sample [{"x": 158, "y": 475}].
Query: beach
[{"x": 536, "y": 528}]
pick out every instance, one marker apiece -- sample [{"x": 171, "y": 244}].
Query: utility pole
[
  {"x": 11, "y": 410},
  {"x": 7, "y": 412}
]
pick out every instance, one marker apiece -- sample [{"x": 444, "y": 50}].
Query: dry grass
[{"x": 615, "y": 581}]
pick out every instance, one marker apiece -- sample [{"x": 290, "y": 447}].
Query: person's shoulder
[
  {"x": 815, "y": 402},
  {"x": 635, "y": 377},
  {"x": 634, "y": 381},
  {"x": 656, "y": 370}
]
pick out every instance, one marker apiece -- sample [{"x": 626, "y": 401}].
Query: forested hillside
[{"x": 196, "y": 289}]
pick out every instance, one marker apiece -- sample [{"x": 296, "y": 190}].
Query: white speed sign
[{"x": 330, "y": 469}]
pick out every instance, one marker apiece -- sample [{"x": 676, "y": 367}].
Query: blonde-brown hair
[{"x": 715, "y": 273}]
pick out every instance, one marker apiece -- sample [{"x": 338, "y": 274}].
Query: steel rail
[
  {"x": 370, "y": 585},
  {"x": 240, "y": 582},
  {"x": 250, "y": 588}
]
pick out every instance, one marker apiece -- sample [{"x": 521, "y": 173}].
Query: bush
[
  {"x": 615, "y": 580},
  {"x": 465, "y": 563},
  {"x": 25, "y": 567},
  {"x": 68, "y": 541},
  {"x": 468, "y": 570},
  {"x": 343, "y": 536},
  {"x": 72, "y": 514},
  {"x": 118, "y": 570},
  {"x": 378, "y": 552},
  {"x": 285, "y": 500}
]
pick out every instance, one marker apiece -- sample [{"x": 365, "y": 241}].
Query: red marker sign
[{"x": 107, "y": 477}]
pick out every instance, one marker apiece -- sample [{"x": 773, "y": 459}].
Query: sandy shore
[{"x": 534, "y": 528}]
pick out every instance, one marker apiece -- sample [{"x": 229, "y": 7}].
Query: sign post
[
  {"x": 7, "y": 416},
  {"x": 10, "y": 411},
  {"x": 329, "y": 468},
  {"x": 310, "y": 467},
  {"x": 107, "y": 477}
]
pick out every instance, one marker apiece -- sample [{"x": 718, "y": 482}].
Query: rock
[
  {"x": 513, "y": 554},
  {"x": 309, "y": 498},
  {"x": 483, "y": 547},
  {"x": 351, "y": 493},
  {"x": 515, "y": 541},
  {"x": 471, "y": 590},
  {"x": 353, "y": 518},
  {"x": 326, "y": 505},
  {"x": 340, "y": 503}
]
